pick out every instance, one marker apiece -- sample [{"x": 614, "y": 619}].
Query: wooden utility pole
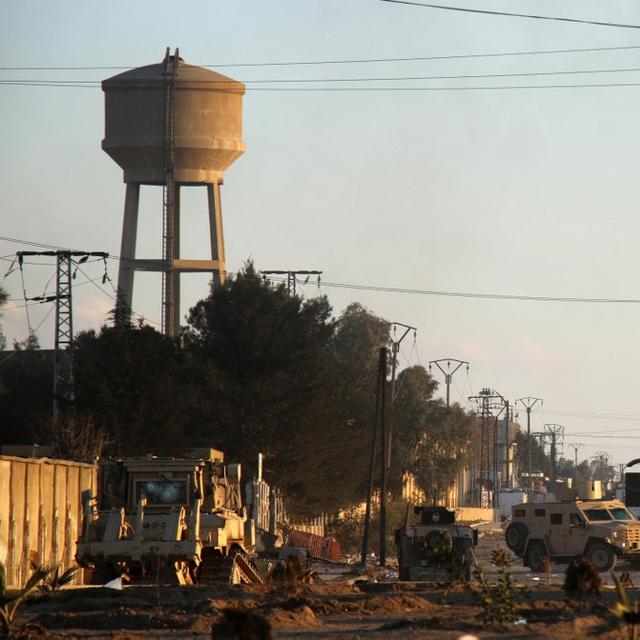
[
  {"x": 383, "y": 458},
  {"x": 374, "y": 442}
]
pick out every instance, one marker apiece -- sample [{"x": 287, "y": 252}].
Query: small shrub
[
  {"x": 10, "y": 601},
  {"x": 55, "y": 580},
  {"x": 498, "y": 600},
  {"x": 625, "y": 614},
  {"x": 240, "y": 624},
  {"x": 581, "y": 579}
]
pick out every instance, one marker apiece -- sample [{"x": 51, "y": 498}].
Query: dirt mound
[
  {"x": 301, "y": 616},
  {"x": 123, "y": 618},
  {"x": 357, "y": 604}
]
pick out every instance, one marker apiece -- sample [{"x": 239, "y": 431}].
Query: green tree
[
  {"x": 345, "y": 438},
  {"x": 413, "y": 406},
  {"x": 136, "y": 385},
  {"x": 442, "y": 449},
  {"x": 264, "y": 353}
]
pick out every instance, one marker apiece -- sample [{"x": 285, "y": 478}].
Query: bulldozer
[{"x": 175, "y": 520}]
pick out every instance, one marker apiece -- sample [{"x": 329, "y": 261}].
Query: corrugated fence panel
[
  {"x": 45, "y": 529},
  {"x": 17, "y": 521},
  {"x": 5, "y": 509},
  {"x": 41, "y": 510}
]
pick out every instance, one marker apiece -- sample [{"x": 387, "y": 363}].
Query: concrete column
[
  {"x": 128, "y": 245},
  {"x": 216, "y": 233}
]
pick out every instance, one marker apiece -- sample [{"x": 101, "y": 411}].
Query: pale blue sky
[{"x": 518, "y": 192}]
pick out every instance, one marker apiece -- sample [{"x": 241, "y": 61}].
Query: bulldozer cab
[{"x": 184, "y": 513}]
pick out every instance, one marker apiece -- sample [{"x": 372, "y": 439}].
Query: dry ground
[{"x": 335, "y": 609}]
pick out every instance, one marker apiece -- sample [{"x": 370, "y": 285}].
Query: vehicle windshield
[
  {"x": 620, "y": 513},
  {"x": 597, "y": 515}
]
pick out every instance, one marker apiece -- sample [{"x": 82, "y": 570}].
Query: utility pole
[
  {"x": 448, "y": 374},
  {"x": 555, "y": 433},
  {"x": 381, "y": 381},
  {"x": 529, "y": 403},
  {"x": 395, "y": 350},
  {"x": 383, "y": 458},
  {"x": 542, "y": 436},
  {"x": 63, "y": 359},
  {"x": 507, "y": 448},
  {"x": 602, "y": 458},
  {"x": 292, "y": 277},
  {"x": 575, "y": 446}
]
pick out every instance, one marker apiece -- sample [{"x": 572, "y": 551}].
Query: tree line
[{"x": 255, "y": 369}]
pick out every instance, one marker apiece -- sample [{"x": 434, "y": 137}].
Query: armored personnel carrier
[
  {"x": 169, "y": 519},
  {"x": 600, "y": 530},
  {"x": 435, "y": 547}
]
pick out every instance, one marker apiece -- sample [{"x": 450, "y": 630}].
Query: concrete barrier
[
  {"x": 41, "y": 509},
  {"x": 475, "y": 514}
]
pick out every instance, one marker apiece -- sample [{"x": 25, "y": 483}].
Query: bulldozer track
[{"x": 232, "y": 569}]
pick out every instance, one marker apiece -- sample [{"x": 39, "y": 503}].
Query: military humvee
[
  {"x": 434, "y": 546},
  {"x": 171, "y": 519},
  {"x": 600, "y": 530}
]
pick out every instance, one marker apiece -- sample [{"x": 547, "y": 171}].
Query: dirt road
[{"x": 338, "y": 608}]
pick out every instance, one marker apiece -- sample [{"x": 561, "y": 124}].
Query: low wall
[
  {"x": 41, "y": 505},
  {"x": 474, "y": 514}
]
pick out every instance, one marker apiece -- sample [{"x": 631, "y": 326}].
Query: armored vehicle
[
  {"x": 435, "y": 545},
  {"x": 600, "y": 530},
  {"x": 168, "y": 519}
]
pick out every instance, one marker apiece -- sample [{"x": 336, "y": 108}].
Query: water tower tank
[
  {"x": 207, "y": 121},
  {"x": 175, "y": 125}
]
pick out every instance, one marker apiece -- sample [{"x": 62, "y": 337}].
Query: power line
[
  {"x": 300, "y": 63},
  {"x": 364, "y": 89},
  {"x": 604, "y": 416},
  {"x": 513, "y": 15},
  {"x": 480, "y": 296},
  {"x": 427, "y": 292},
  {"x": 467, "y": 76}
]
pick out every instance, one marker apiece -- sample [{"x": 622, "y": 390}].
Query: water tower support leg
[
  {"x": 128, "y": 245},
  {"x": 175, "y": 274},
  {"x": 216, "y": 232}
]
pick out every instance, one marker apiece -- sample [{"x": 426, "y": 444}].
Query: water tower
[{"x": 171, "y": 125}]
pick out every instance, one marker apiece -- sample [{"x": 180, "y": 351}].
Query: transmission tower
[
  {"x": 448, "y": 373},
  {"x": 292, "y": 276},
  {"x": 490, "y": 405},
  {"x": 63, "y": 359}
]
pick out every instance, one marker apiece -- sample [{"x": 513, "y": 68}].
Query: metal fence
[{"x": 41, "y": 510}]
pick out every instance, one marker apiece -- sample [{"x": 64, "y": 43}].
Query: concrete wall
[{"x": 41, "y": 505}]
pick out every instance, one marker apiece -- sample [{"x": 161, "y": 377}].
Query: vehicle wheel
[
  {"x": 537, "y": 557},
  {"x": 516, "y": 536},
  {"x": 439, "y": 539},
  {"x": 601, "y": 556}
]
